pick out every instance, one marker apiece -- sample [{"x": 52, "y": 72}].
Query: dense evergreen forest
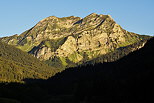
[
  {"x": 16, "y": 65},
  {"x": 128, "y": 80}
]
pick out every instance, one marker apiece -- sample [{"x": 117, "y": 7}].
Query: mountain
[
  {"x": 16, "y": 65},
  {"x": 127, "y": 80},
  {"x": 118, "y": 53},
  {"x": 71, "y": 41}
]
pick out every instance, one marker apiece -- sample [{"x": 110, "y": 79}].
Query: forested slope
[{"x": 16, "y": 65}]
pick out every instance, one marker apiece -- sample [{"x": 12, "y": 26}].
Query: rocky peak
[
  {"x": 72, "y": 39},
  {"x": 50, "y": 18},
  {"x": 92, "y": 15},
  {"x": 94, "y": 19}
]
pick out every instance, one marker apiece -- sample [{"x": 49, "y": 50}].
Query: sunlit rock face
[{"x": 73, "y": 39}]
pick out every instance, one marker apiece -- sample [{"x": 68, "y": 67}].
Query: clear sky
[{"x": 16, "y": 16}]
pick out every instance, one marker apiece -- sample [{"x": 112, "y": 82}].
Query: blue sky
[{"x": 16, "y": 16}]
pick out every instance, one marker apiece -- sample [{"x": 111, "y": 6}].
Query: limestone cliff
[{"x": 73, "y": 39}]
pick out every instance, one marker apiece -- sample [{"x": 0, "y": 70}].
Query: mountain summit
[{"x": 72, "y": 40}]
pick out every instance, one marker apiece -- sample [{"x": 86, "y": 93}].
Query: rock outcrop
[{"x": 73, "y": 39}]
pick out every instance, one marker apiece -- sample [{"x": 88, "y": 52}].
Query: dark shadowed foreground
[{"x": 127, "y": 80}]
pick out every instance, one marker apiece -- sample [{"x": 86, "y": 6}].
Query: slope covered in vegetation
[{"x": 16, "y": 65}]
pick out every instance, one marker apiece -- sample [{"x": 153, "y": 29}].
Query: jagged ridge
[{"x": 69, "y": 40}]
